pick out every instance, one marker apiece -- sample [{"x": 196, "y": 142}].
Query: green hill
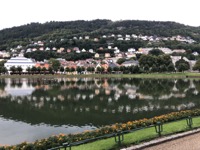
[{"x": 22, "y": 35}]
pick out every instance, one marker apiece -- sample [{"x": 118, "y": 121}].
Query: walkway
[
  {"x": 183, "y": 141},
  {"x": 191, "y": 142}
]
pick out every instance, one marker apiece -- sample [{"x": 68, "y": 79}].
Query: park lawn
[
  {"x": 139, "y": 136},
  {"x": 143, "y": 75}
]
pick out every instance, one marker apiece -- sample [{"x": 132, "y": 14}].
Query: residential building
[
  {"x": 42, "y": 65},
  {"x": 130, "y": 63},
  {"x": 107, "y": 55},
  {"x": 96, "y": 55},
  {"x": 179, "y": 51}
]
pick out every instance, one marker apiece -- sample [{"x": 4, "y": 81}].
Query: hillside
[{"x": 62, "y": 33}]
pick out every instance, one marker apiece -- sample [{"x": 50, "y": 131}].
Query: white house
[
  {"x": 19, "y": 61},
  {"x": 91, "y": 51}
]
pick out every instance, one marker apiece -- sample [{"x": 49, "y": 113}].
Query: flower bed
[{"x": 54, "y": 141}]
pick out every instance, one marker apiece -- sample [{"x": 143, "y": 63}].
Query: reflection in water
[
  {"x": 69, "y": 105},
  {"x": 18, "y": 87}
]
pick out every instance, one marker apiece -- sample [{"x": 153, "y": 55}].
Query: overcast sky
[{"x": 20, "y": 12}]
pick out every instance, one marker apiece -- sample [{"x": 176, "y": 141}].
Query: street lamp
[
  {"x": 159, "y": 128},
  {"x": 189, "y": 121}
]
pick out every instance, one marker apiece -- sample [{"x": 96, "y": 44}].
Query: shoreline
[{"x": 149, "y": 75}]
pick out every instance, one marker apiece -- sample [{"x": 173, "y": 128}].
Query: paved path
[{"x": 191, "y": 142}]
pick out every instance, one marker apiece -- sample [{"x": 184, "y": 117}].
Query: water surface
[{"x": 32, "y": 109}]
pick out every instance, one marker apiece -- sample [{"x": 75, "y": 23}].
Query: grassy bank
[
  {"x": 150, "y": 75},
  {"x": 139, "y": 136}
]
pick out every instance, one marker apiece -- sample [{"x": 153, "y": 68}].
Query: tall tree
[
  {"x": 55, "y": 64},
  {"x": 19, "y": 69},
  {"x": 182, "y": 65}
]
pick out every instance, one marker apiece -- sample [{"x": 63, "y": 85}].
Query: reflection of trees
[
  {"x": 100, "y": 110},
  {"x": 155, "y": 87},
  {"x": 79, "y": 101},
  {"x": 182, "y": 85},
  {"x": 2, "y": 84},
  {"x": 197, "y": 85}
]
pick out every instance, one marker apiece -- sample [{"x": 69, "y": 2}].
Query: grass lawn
[
  {"x": 149, "y": 75},
  {"x": 139, "y": 136}
]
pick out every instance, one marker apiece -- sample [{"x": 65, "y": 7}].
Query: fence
[{"x": 119, "y": 135}]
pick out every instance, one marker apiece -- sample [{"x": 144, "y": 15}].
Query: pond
[{"x": 32, "y": 109}]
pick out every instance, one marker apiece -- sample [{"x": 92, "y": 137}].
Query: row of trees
[{"x": 162, "y": 63}]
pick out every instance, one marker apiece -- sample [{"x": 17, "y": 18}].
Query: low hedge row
[{"x": 55, "y": 141}]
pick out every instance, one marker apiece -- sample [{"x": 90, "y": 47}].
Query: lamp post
[
  {"x": 159, "y": 128},
  {"x": 119, "y": 137},
  {"x": 189, "y": 121}
]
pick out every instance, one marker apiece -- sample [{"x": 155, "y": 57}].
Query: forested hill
[{"x": 22, "y": 35}]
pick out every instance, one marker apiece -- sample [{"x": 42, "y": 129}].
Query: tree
[
  {"x": 109, "y": 70},
  {"x": 44, "y": 70},
  {"x": 121, "y": 60},
  {"x": 72, "y": 69},
  {"x": 82, "y": 69},
  {"x": 13, "y": 69},
  {"x": 33, "y": 69},
  {"x": 78, "y": 69},
  {"x": 182, "y": 65},
  {"x": 146, "y": 68},
  {"x": 99, "y": 69},
  {"x": 116, "y": 69},
  {"x": 197, "y": 65},
  {"x": 163, "y": 68},
  {"x": 19, "y": 69},
  {"x": 62, "y": 69},
  {"x": 55, "y": 64},
  {"x": 28, "y": 70},
  {"x": 50, "y": 70},
  {"x": 154, "y": 68},
  {"x": 122, "y": 68},
  {"x": 148, "y": 60},
  {"x": 92, "y": 69},
  {"x": 67, "y": 69},
  {"x": 134, "y": 69},
  {"x": 2, "y": 63},
  {"x": 170, "y": 68},
  {"x": 89, "y": 69},
  {"x": 156, "y": 52},
  {"x": 4, "y": 70},
  {"x": 39, "y": 69},
  {"x": 102, "y": 69}
]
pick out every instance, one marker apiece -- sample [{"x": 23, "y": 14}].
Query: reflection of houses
[{"x": 3, "y": 93}]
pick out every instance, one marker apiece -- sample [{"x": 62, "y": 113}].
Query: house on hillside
[
  {"x": 144, "y": 51},
  {"x": 130, "y": 63},
  {"x": 179, "y": 51},
  {"x": 91, "y": 51},
  {"x": 165, "y": 50},
  {"x": 130, "y": 55},
  {"x": 107, "y": 55},
  {"x": 96, "y": 55}
]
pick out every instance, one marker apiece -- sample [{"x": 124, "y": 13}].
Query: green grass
[
  {"x": 150, "y": 75},
  {"x": 139, "y": 136}
]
